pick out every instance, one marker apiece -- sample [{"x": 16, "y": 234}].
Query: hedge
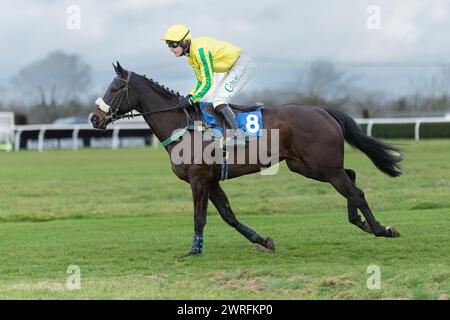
[{"x": 393, "y": 131}]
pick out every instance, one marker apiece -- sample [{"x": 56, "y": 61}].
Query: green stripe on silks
[
  {"x": 197, "y": 86},
  {"x": 211, "y": 62},
  {"x": 174, "y": 137},
  {"x": 207, "y": 75}
]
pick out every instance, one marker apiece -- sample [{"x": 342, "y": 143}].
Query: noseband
[{"x": 115, "y": 108}]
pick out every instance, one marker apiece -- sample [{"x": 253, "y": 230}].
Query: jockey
[{"x": 208, "y": 56}]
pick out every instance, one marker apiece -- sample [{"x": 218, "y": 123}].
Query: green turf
[{"x": 122, "y": 216}]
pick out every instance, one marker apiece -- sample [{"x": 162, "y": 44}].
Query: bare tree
[
  {"x": 54, "y": 80},
  {"x": 323, "y": 80},
  {"x": 443, "y": 80},
  {"x": 432, "y": 94}
]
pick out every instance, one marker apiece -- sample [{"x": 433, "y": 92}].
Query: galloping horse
[{"x": 311, "y": 141}]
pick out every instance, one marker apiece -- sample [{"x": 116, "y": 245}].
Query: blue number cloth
[{"x": 249, "y": 122}]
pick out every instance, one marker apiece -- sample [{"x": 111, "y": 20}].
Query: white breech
[{"x": 233, "y": 81}]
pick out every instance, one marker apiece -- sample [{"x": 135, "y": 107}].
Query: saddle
[
  {"x": 212, "y": 126},
  {"x": 208, "y": 107}
]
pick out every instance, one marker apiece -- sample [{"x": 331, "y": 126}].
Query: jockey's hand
[{"x": 185, "y": 102}]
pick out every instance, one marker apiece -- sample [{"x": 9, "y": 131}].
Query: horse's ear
[
  {"x": 115, "y": 68},
  {"x": 121, "y": 71}
]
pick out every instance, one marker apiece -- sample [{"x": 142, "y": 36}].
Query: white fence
[
  {"x": 75, "y": 130},
  {"x": 370, "y": 122},
  {"x": 118, "y": 127}
]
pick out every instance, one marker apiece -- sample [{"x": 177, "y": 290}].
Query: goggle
[{"x": 173, "y": 44}]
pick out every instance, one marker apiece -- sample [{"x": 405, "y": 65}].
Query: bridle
[
  {"x": 114, "y": 109},
  {"x": 112, "y": 112}
]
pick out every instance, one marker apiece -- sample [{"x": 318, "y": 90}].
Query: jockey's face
[{"x": 178, "y": 51}]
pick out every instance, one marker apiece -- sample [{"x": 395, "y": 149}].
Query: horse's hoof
[
  {"x": 270, "y": 244},
  {"x": 190, "y": 254},
  {"x": 394, "y": 232}
]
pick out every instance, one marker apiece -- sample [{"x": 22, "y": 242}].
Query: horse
[{"x": 311, "y": 142}]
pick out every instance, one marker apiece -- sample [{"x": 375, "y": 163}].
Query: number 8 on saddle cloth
[{"x": 250, "y": 122}]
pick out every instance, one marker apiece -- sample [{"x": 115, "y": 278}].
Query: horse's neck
[{"x": 163, "y": 124}]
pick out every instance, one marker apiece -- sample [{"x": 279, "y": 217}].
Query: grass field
[{"x": 122, "y": 216}]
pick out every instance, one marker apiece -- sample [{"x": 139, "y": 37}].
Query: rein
[
  {"x": 132, "y": 115},
  {"x": 113, "y": 110}
]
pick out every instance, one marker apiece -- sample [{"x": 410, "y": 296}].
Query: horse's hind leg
[
  {"x": 342, "y": 183},
  {"x": 220, "y": 201},
  {"x": 353, "y": 216}
]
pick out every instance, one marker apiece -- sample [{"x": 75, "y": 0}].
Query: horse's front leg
[
  {"x": 200, "y": 194},
  {"x": 220, "y": 200}
]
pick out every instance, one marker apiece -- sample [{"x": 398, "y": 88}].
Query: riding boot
[{"x": 230, "y": 119}]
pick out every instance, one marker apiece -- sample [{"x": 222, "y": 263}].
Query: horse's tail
[{"x": 385, "y": 157}]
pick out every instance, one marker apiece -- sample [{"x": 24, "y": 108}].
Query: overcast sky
[{"x": 282, "y": 36}]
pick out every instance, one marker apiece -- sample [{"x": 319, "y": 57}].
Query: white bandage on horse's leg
[{"x": 102, "y": 105}]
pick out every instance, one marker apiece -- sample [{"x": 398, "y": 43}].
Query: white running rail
[
  {"x": 75, "y": 129},
  {"x": 416, "y": 121}
]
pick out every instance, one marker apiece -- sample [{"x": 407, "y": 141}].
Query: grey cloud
[{"x": 281, "y": 35}]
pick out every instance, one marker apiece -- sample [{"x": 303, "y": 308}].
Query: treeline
[
  {"x": 51, "y": 88},
  {"x": 47, "y": 113},
  {"x": 326, "y": 85},
  {"x": 362, "y": 107}
]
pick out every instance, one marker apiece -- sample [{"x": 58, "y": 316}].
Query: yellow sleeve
[
  {"x": 205, "y": 74},
  {"x": 199, "y": 82}
]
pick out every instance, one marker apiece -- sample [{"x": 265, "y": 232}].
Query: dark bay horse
[{"x": 311, "y": 141}]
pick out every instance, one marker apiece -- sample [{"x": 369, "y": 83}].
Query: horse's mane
[{"x": 165, "y": 90}]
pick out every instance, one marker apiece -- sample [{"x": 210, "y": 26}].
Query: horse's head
[{"x": 118, "y": 100}]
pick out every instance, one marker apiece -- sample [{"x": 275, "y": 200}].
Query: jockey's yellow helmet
[{"x": 177, "y": 32}]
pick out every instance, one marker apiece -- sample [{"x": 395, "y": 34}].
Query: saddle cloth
[{"x": 249, "y": 119}]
